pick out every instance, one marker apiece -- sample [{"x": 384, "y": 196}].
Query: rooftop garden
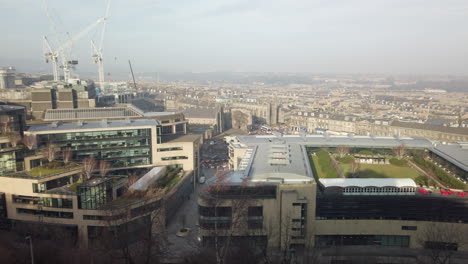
[
  {"x": 399, "y": 162},
  {"x": 169, "y": 180},
  {"x": 344, "y": 162},
  {"x": 52, "y": 168},
  {"x": 163, "y": 185}
]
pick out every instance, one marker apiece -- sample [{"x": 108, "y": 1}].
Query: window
[
  {"x": 174, "y": 158},
  {"x": 297, "y": 237},
  {"x": 255, "y": 211},
  {"x": 57, "y": 202},
  {"x": 376, "y": 240},
  {"x": 170, "y": 149},
  {"x": 255, "y": 217},
  {"x": 180, "y": 128},
  {"x": 39, "y": 187},
  {"x": 92, "y": 217},
  {"x": 409, "y": 228},
  {"x": 441, "y": 245},
  {"x": 52, "y": 214},
  {"x": 166, "y": 130},
  {"x": 25, "y": 199}
]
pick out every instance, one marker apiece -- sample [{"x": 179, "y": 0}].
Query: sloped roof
[{"x": 368, "y": 182}]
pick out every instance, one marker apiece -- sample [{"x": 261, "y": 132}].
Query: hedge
[
  {"x": 439, "y": 173},
  {"x": 366, "y": 152}
]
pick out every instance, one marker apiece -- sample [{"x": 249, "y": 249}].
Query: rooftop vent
[
  {"x": 104, "y": 123},
  {"x": 55, "y": 124}
]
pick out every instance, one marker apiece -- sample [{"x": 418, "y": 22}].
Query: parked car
[{"x": 202, "y": 180}]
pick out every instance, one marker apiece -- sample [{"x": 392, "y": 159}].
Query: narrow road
[{"x": 186, "y": 216}]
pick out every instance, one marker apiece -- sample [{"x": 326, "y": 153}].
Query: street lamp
[{"x": 30, "y": 248}]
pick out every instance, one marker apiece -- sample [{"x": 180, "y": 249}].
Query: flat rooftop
[
  {"x": 284, "y": 158},
  {"x": 57, "y": 126},
  {"x": 279, "y": 162}
]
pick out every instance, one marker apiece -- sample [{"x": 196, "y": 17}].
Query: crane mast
[
  {"x": 52, "y": 57},
  {"x": 98, "y": 51}
]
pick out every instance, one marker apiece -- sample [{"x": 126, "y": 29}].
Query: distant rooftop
[
  {"x": 119, "y": 112},
  {"x": 444, "y": 129},
  {"x": 79, "y": 125},
  {"x": 195, "y": 112},
  {"x": 91, "y": 113}
]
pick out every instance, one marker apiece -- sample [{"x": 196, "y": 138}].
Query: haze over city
[
  {"x": 358, "y": 36},
  {"x": 234, "y": 132}
]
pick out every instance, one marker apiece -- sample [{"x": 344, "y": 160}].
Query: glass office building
[
  {"x": 122, "y": 143},
  {"x": 122, "y": 148}
]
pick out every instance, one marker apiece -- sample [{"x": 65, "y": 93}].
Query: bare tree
[
  {"x": 342, "y": 151},
  {"x": 14, "y": 139},
  {"x": 30, "y": 141},
  {"x": 441, "y": 241},
  {"x": 50, "y": 152},
  {"x": 131, "y": 180},
  {"x": 67, "y": 155},
  {"x": 4, "y": 124},
  {"x": 150, "y": 234},
  {"x": 104, "y": 167},
  {"x": 400, "y": 151},
  {"x": 240, "y": 120},
  {"x": 223, "y": 232},
  {"x": 88, "y": 166},
  {"x": 354, "y": 167}
]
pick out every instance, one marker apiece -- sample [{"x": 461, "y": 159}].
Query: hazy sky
[{"x": 333, "y": 36}]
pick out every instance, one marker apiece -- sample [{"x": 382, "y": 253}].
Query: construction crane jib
[{"x": 60, "y": 52}]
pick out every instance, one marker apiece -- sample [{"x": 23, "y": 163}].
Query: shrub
[
  {"x": 398, "y": 162},
  {"x": 346, "y": 159},
  {"x": 421, "y": 180},
  {"x": 366, "y": 152}
]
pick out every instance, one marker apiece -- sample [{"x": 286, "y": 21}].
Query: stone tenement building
[
  {"x": 261, "y": 113},
  {"x": 310, "y": 122}
]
